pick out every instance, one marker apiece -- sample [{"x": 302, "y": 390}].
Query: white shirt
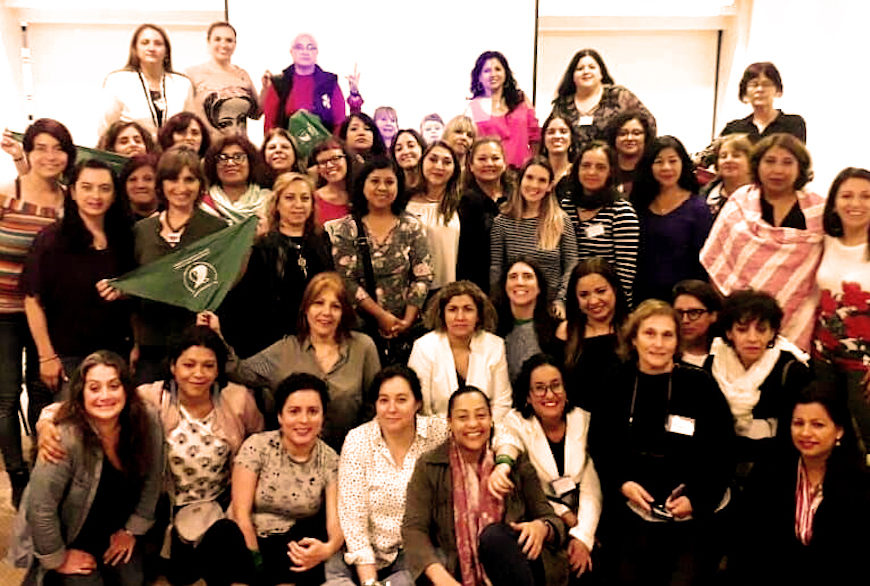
[
  {"x": 577, "y": 466},
  {"x": 432, "y": 360},
  {"x": 372, "y": 486},
  {"x": 443, "y": 240}
]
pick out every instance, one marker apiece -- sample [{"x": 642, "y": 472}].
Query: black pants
[
  {"x": 276, "y": 564},
  {"x": 662, "y": 554},
  {"x": 504, "y": 561},
  {"x": 221, "y": 558}
]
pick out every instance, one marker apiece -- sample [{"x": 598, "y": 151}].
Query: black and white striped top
[
  {"x": 613, "y": 233},
  {"x": 511, "y": 239}
]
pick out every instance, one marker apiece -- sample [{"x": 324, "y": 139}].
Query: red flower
[
  {"x": 827, "y": 303},
  {"x": 853, "y": 296},
  {"x": 827, "y": 339},
  {"x": 858, "y": 326}
]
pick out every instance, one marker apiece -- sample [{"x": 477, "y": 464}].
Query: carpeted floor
[{"x": 8, "y": 575}]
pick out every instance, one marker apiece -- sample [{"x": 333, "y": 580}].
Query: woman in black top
[
  {"x": 487, "y": 187},
  {"x": 265, "y": 304},
  {"x": 70, "y": 309},
  {"x": 661, "y": 442}
]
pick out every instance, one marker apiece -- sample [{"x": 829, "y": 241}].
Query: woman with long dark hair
[
  {"x": 524, "y": 319},
  {"x": 389, "y": 280},
  {"x": 487, "y": 187},
  {"x": 146, "y": 90},
  {"x": 841, "y": 349},
  {"x": 87, "y": 510},
  {"x": 605, "y": 224},
  {"x": 70, "y": 309},
  {"x": 595, "y": 309},
  {"x": 589, "y": 98},
  {"x": 674, "y": 220},
  {"x": 499, "y": 108}
]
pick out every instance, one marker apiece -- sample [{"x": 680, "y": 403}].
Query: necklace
[{"x": 174, "y": 236}]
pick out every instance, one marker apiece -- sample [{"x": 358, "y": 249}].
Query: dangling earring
[{"x": 837, "y": 443}]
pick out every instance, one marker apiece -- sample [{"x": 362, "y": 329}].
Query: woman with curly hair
[
  {"x": 499, "y": 108},
  {"x": 461, "y": 350},
  {"x": 87, "y": 509}
]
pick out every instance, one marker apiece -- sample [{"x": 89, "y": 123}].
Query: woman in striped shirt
[
  {"x": 606, "y": 225},
  {"x": 34, "y": 201},
  {"x": 531, "y": 223}
]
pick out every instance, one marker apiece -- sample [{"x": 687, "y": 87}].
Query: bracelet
[
  {"x": 49, "y": 359},
  {"x": 505, "y": 459}
]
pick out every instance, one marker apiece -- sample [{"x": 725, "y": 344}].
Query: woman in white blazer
[
  {"x": 461, "y": 350},
  {"x": 553, "y": 434},
  {"x": 146, "y": 91}
]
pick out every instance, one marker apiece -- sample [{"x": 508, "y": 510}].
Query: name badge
[
  {"x": 681, "y": 425},
  {"x": 586, "y": 120},
  {"x": 562, "y": 486},
  {"x": 594, "y": 230}
]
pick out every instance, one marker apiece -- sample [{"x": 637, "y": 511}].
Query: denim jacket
[{"x": 61, "y": 495}]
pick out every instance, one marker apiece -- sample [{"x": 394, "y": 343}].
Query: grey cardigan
[{"x": 61, "y": 495}]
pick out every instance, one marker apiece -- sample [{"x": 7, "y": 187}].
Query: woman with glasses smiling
[
  {"x": 332, "y": 198},
  {"x": 234, "y": 169},
  {"x": 553, "y": 433}
]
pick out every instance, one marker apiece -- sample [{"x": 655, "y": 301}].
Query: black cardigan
[{"x": 768, "y": 552}]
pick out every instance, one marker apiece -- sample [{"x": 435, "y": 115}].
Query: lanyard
[{"x": 152, "y": 108}]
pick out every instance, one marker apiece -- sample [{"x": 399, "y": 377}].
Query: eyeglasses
[
  {"x": 754, "y": 85},
  {"x": 555, "y": 387},
  {"x": 237, "y": 158},
  {"x": 633, "y": 132},
  {"x": 692, "y": 314},
  {"x": 330, "y": 161},
  {"x": 308, "y": 47}
]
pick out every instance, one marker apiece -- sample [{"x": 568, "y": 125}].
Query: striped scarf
[
  {"x": 743, "y": 251},
  {"x": 807, "y": 501}
]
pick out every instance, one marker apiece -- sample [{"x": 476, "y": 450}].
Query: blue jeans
[
  {"x": 339, "y": 573},
  {"x": 15, "y": 340}
]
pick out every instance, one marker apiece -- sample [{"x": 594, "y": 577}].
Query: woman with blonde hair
[
  {"x": 531, "y": 223},
  {"x": 264, "y": 305},
  {"x": 459, "y": 134},
  {"x": 732, "y": 166},
  {"x": 461, "y": 349},
  {"x": 661, "y": 441}
]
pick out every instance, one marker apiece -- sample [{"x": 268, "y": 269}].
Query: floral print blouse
[
  {"x": 402, "y": 263},
  {"x": 614, "y": 100}
]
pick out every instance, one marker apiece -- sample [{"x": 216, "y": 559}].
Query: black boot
[{"x": 18, "y": 479}]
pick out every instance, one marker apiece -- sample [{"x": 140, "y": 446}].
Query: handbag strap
[{"x": 362, "y": 244}]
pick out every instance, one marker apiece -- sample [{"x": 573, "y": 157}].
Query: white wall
[{"x": 418, "y": 57}]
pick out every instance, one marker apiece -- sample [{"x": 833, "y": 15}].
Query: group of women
[{"x": 608, "y": 368}]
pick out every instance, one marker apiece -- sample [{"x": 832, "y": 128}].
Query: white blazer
[
  {"x": 432, "y": 360},
  {"x": 125, "y": 99},
  {"x": 578, "y": 466}
]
